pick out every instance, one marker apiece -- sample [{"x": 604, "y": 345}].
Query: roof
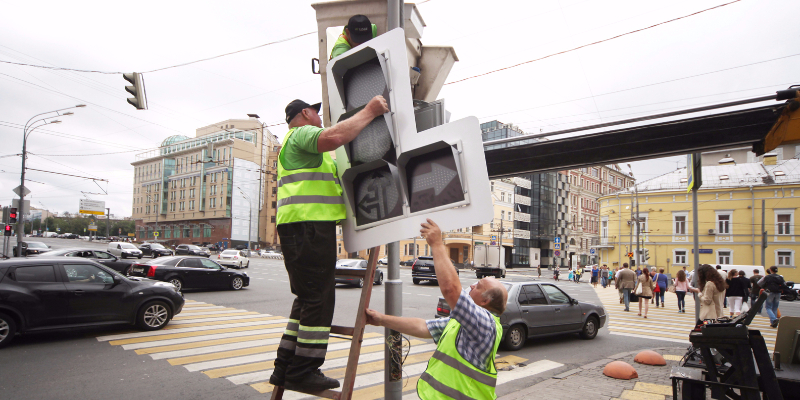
[
  {"x": 728, "y": 176},
  {"x": 174, "y": 139}
]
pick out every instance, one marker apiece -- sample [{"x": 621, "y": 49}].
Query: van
[
  {"x": 748, "y": 269},
  {"x": 124, "y": 250}
]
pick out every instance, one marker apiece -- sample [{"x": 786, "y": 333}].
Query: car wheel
[
  {"x": 416, "y": 281},
  {"x": 177, "y": 282},
  {"x": 515, "y": 338},
  {"x": 140, "y": 257},
  {"x": 237, "y": 283},
  {"x": 123, "y": 256},
  {"x": 248, "y": 264},
  {"x": 153, "y": 316},
  {"x": 360, "y": 283},
  {"x": 379, "y": 281},
  {"x": 499, "y": 275},
  {"x": 589, "y": 330},
  {"x": 154, "y": 255},
  {"x": 240, "y": 265},
  {"x": 8, "y": 328}
]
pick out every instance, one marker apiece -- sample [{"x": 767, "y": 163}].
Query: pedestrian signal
[
  {"x": 7, "y": 230},
  {"x": 12, "y": 215}
]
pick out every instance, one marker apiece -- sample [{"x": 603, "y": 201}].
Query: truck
[
  {"x": 489, "y": 261},
  {"x": 49, "y": 234}
]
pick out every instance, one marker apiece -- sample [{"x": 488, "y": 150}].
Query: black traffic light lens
[
  {"x": 433, "y": 181},
  {"x": 377, "y": 196}
]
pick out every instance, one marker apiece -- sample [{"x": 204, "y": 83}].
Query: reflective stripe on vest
[
  {"x": 451, "y": 376},
  {"x": 309, "y": 194}
]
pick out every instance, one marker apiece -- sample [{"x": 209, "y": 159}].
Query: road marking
[
  {"x": 209, "y": 321},
  {"x": 208, "y": 343},
  {"x": 175, "y": 333},
  {"x": 205, "y": 310},
  {"x": 234, "y": 353},
  {"x": 208, "y": 314},
  {"x": 204, "y": 307},
  {"x": 201, "y": 336}
]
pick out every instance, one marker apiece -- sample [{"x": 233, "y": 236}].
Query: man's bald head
[{"x": 490, "y": 294}]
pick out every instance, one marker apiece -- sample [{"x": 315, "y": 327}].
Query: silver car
[{"x": 538, "y": 309}]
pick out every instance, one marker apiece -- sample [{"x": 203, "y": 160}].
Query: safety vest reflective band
[
  {"x": 309, "y": 194},
  {"x": 451, "y": 376}
]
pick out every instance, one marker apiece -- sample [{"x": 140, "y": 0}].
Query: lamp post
[
  {"x": 249, "y": 211},
  {"x": 29, "y": 127}
]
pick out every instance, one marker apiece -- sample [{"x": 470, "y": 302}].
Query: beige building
[{"x": 217, "y": 187}]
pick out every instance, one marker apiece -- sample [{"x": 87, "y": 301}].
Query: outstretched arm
[
  {"x": 344, "y": 132},
  {"x": 410, "y": 326},
  {"x": 446, "y": 274}
]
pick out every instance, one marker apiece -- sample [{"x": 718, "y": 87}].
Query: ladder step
[{"x": 342, "y": 330}]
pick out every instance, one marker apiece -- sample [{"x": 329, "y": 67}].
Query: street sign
[
  {"x": 591, "y": 251},
  {"x": 131, "y": 235},
  {"x": 494, "y": 237},
  {"x": 155, "y": 234},
  {"x": 557, "y": 246},
  {"x": 95, "y": 207},
  {"x": 17, "y": 190},
  {"x": 26, "y": 206},
  {"x": 557, "y": 253},
  {"x": 557, "y": 240},
  {"x": 120, "y": 231},
  {"x": 704, "y": 251},
  {"x": 91, "y": 228},
  {"x": 59, "y": 229}
]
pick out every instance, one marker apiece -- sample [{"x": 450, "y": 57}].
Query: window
[
  {"x": 503, "y": 196},
  {"x": 555, "y": 295},
  {"x": 340, "y": 248},
  {"x": 272, "y": 219},
  {"x": 213, "y": 202},
  {"x": 187, "y": 232},
  {"x": 679, "y": 224},
  {"x": 84, "y": 273},
  {"x": 783, "y": 222},
  {"x": 680, "y": 257},
  {"x": 531, "y": 295},
  {"x": 177, "y": 232},
  {"x": 784, "y": 257},
  {"x": 41, "y": 273},
  {"x": 274, "y": 204},
  {"x": 724, "y": 223},
  {"x": 724, "y": 256}
]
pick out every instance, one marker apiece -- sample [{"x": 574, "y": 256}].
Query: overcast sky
[{"x": 563, "y": 91}]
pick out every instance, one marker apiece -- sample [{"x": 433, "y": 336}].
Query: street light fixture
[{"x": 29, "y": 127}]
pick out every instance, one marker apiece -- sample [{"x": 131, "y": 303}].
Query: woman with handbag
[
  {"x": 681, "y": 286},
  {"x": 661, "y": 286},
  {"x": 644, "y": 291},
  {"x": 711, "y": 292}
]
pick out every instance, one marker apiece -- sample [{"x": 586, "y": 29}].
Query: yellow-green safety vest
[
  {"x": 450, "y": 376},
  {"x": 309, "y": 194}
]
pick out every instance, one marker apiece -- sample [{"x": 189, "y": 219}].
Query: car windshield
[
  {"x": 169, "y": 261},
  {"x": 349, "y": 263},
  {"x": 36, "y": 245},
  {"x": 193, "y": 247},
  {"x": 127, "y": 246},
  {"x": 230, "y": 253},
  {"x": 155, "y": 246}
]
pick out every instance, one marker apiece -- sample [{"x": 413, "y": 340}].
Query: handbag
[
  {"x": 657, "y": 289},
  {"x": 633, "y": 298},
  {"x": 671, "y": 288},
  {"x": 638, "y": 290}
]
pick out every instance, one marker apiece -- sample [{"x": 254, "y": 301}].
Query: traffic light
[
  {"x": 139, "y": 99},
  {"x": 393, "y": 176},
  {"x": 7, "y": 230},
  {"x": 646, "y": 254},
  {"x": 12, "y": 215},
  {"x": 630, "y": 254}
]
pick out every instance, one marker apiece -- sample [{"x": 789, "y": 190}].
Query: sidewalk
[{"x": 588, "y": 382}]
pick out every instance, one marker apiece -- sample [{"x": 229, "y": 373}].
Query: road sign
[
  {"x": 95, "y": 207},
  {"x": 155, "y": 234},
  {"x": 557, "y": 253},
  {"x": 59, "y": 229},
  {"x": 19, "y": 188},
  {"x": 591, "y": 251},
  {"x": 91, "y": 228},
  {"x": 494, "y": 237},
  {"x": 131, "y": 235},
  {"x": 26, "y": 206},
  {"x": 557, "y": 240},
  {"x": 557, "y": 246}
]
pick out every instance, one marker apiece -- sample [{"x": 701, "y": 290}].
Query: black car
[
  {"x": 45, "y": 293},
  {"x": 191, "y": 250},
  {"x": 191, "y": 272},
  {"x": 346, "y": 265},
  {"x": 102, "y": 257},
  {"x": 154, "y": 250},
  {"x": 32, "y": 248},
  {"x": 423, "y": 270}
]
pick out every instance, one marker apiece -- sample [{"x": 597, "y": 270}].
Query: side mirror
[
  {"x": 117, "y": 280},
  {"x": 574, "y": 302}
]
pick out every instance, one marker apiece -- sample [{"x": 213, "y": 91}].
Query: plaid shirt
[{"x": 476, "y": 337}]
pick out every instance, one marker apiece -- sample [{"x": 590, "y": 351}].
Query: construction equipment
[{"x": 356, "y": 332}]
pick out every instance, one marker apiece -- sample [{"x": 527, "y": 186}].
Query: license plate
[{"x": 137, "y": 270}]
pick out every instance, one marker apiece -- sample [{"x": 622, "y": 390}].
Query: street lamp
[
  {"x": 249, "y": 211},
  {"x": 29, "y": 127}
]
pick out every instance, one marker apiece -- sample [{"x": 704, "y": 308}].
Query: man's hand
[
  {"x": 374, "y": 317},
  {"x": 377, "y": 106},
  {"x": 431, "y": 232}
]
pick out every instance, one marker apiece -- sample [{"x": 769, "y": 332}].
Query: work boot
[
  {"x": 278, "y": 376},
  {"x": 312, "y": 382}
]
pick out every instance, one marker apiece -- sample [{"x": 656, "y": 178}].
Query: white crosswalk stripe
[
  {"x": 214, "y": 319},
  {"x": 215, "y": 349},
  {"x": 166, "y": 342},
  {"x": 192, "y": 329}
]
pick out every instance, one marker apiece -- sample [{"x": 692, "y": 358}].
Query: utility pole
[
  {"x": 393, "y": 369},
  {"x": 108, "y": 223},
  {"x": 763, "y": 234},
  {"x": 695, "y": 172}
]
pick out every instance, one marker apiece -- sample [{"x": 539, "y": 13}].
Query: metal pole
[
  {"x": 630, "y": 237},
  {"x": 638, "y": 226},
  {"x": 696, "y": 254},
  {"x": 20, "y": 208},
  {"x": 393, "y": 376},
  {"x": 108, "y": 223},
  {"x": 763, "y": 234},
  {"x": 500, "y": 248},
  {"x": 249, "y": 226}
]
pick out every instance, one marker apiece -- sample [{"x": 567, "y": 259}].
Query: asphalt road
[{"x": 73, "y": 364}]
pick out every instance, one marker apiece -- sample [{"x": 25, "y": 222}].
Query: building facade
[
  {"x": 213, "y": 188},
  {"x": 729, "y": 218},
  {"x": 587, "y": 185}
]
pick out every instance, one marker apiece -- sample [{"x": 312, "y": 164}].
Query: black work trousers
[{"x": 309, "y": 253}]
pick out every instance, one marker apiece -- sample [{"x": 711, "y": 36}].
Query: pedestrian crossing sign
[{"x": 558, "y": 246}]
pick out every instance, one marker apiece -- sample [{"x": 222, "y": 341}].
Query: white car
[
  {"x": 383, "y": 261},
  {"x": 233, "y": 258},
  {"x": 124, "y": 250}
]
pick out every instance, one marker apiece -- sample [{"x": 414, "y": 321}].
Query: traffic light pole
[
  {"x": 695, "y": 278},
  {"x": 108, "y": 223}
]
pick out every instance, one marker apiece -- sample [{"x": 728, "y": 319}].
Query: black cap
[
  {"x": 296, "y": 106},
  {"x": 360, "y": 28}
]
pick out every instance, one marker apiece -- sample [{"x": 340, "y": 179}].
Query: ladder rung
[{"x": 342, "y": 330}]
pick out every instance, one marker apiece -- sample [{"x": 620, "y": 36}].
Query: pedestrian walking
[
  {"x": 755, "y": 289},
  {"x": 681, "y": 287},
  {"x": 734, "y": 293},
  {"x": 626, "y": 281},
  {"x": 595, "y": 275},
  {"x": 662, "y": 282},
  {"x": 310, "y": 203},
  {"x": 539, "y": 270},
  {"x": 646, "y": 283},
  {"x": 746, "y": 286},
  {"x": 711, "y": 292},
  {"x": 578, "y": 273},
  {"x": 571, "y": 275},
  {"x": 724, "y": 274},
  {"x": 773, "y": 284},
  {"x": 604, "y": 276},
  {"x": 556, "y": 271}
]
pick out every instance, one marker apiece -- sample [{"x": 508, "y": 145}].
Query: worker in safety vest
[
  {"x": 358, "y": 30},
  {"x": 310, "y": 204},
  {"x": 462, "y": 367}
]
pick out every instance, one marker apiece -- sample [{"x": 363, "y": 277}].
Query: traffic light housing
[
  {"x": 12, "y": 215},
  {"x": 139, "y": 99},
  {"x": 7, "y": 230},
  {"x": 645, "y": 254}
]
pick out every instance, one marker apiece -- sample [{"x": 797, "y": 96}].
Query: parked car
[
  {"x": 102, "y": 257},
  {"x": 345, "y": 265},
  {"x": 124, "y": 250},
  {"x": 541, "y": 309},
  {"x": 154, "y": 250},
  {"x": 383, "y": 261},
  {"x": 45, "y": 293},
  {"x": 191, "y": 272},
  {"x": 234, "y": 258},
  {"x": 191, "y": 250},
  {"x": 32, "y": 248},
  {"x": 423, "y": 270}
]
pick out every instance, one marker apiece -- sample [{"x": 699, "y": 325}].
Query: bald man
[{"x": 467, "y": 341}]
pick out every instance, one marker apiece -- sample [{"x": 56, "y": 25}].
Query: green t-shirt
[
  {"x": 341, "y": 45},
  {"x": 300, "y": 151}
]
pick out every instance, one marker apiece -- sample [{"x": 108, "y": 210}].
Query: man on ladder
[
  {"x": 310, "y": 204},
  {"x": 466, "y": 343}
]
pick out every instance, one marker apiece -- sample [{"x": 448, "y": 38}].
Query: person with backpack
[{"x": 773, "y": 284}]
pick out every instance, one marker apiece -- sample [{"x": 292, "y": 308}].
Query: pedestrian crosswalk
[
  {"x": 240, "y": 346},
  {"x": 663, "y": 323}
]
